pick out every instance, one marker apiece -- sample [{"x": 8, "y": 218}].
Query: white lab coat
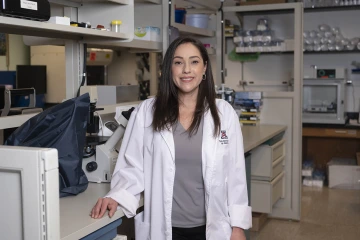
[{"x": 147, "y": 163}]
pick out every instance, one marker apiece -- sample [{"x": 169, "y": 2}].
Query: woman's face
[{"x": 188, "y": 69}]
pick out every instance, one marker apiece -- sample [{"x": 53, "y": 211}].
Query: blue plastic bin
[{"x": 180, "y": 15}]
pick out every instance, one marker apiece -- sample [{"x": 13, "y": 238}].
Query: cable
[
  {"x": 353, "y": 95},
  {"x": 222, "y": 42},
  {"x": 84, "y": 69}
]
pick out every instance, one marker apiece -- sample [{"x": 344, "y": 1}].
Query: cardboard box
[
  {"x": 258, "y": 221},
  {"x": 344, "y": 173},
  {"x": 258, "y": 2}
]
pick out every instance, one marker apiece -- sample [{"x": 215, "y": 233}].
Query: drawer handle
[
  {"x": 277, "y": 179},
  {"x": 278, "y": 144},
  {"x": 340, "y": 131},
  {"x": 277, "y": 161}
]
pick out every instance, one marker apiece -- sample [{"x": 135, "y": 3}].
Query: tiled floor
[{"x": 326, "y": 214}]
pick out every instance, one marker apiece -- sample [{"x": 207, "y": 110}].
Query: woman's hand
[
  {"x": 102, "y": 205},
  {"x": 237, "y": 234}
]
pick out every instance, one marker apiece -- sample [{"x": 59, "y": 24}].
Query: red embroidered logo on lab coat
[{"x": 223, "y": 137}]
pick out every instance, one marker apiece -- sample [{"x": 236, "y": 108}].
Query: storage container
[
  {"x": 148, "y": 33},
  {"x": 180, "y": 15},
  {"x": 115, "y": 25},
  {"x": 197, "y": 20}
]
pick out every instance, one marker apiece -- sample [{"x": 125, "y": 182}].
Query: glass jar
[{"x": 115, "y": 25}]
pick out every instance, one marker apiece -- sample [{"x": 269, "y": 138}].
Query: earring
[{"x": 204, "y": 77}]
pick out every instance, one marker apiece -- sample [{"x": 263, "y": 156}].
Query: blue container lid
[{"x": 180, "y": 11}]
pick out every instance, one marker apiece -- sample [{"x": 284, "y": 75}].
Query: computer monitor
[
  {"x": 31, "y": 76},
  {"x": 29, "y": 193}
]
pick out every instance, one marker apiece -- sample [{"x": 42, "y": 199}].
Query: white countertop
[
  {"x": 255, "y": 135},
  {"x": 75, "y": 220}
]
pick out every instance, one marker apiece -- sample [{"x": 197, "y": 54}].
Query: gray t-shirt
[{"x": 188, "y": 208}]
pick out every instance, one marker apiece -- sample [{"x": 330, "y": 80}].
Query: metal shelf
[
  {"x": 332, "y": 9},
  {"x": 265, "y": 9},
  {"x": 78, "y": 3},
  {"x": 149, "y": 1},
  {"x": 44, "y": 29},
  {"x": 305, "y": 52},
  {"x": 332, "y": 52},
  {"x": 135, "y": 45},
  {"x": 283, "y": 9},
  {"x": 185, "y": 29}
]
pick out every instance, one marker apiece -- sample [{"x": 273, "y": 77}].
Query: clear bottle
[{"x": 115, "y": 25}]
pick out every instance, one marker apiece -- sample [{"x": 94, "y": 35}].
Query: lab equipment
[
  {"x": 321, "y": 72},
  {"x": 9, "y": 93},
  {"x": 62, "y": 127},
  {"x": 323, "y": 101},
  {"x": 34, "y": 9},
  {"x": 29, "y": 180},
  {"x": 110, "y": 95},
  {"x": 12, "y": 98},
  {"x": 100, "y": 163},
  {"x": 225, "y": 93}
]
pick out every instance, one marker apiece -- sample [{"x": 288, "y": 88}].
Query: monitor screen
[{"x": 31, "y": 76}]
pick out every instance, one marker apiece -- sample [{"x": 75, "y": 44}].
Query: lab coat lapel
[
  {"x": 208, "y": 150},
  {"x": 168, "y": 137}
]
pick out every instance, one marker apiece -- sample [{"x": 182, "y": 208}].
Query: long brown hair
[{"x": 166, "y": 106}]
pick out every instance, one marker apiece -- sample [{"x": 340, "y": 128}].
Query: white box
[
  {"x": 60, "y": 20},
  {"x": 308, "y": 182},
  {"x": 344, "y": 173},
  {"x": 317, "y": 183},
  {"x": 307, "y": 172},
  {"x": 148, "y": 34}
]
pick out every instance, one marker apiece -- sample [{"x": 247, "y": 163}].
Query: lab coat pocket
[{"x": 142, "y": 229}]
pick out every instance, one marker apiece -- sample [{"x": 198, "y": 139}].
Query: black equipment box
[{"x": 29, "y": 9}]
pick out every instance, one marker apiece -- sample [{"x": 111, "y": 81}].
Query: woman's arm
[{"x": 239, "y": 210}]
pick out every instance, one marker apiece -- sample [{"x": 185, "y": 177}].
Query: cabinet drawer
[
  {"x": 266, "y": 169},
  {"x": 265, "y": 194},
  {"x": 345, "y": 133},
  {"x": 269, "y": 152}
]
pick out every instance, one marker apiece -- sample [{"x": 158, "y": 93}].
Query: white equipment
[
  {"x": 109, "y": 95},
  {"x": 99, "y": 168},
  {"x": 29, "y": 192}
]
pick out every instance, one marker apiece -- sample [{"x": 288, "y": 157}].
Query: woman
[{"x": 184, "y": 149}]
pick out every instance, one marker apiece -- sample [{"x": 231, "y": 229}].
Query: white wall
[
  {"x": 279, "y": 67},
  {"x": 19, "y": 54}
]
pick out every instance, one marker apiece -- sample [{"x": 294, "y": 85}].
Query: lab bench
[{"x": 75, "y": 222}]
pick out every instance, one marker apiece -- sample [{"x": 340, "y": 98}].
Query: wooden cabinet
[{"x": 320, "y": 145}]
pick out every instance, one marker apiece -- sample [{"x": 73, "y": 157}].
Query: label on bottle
[{"x": 29, "y": 5}]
